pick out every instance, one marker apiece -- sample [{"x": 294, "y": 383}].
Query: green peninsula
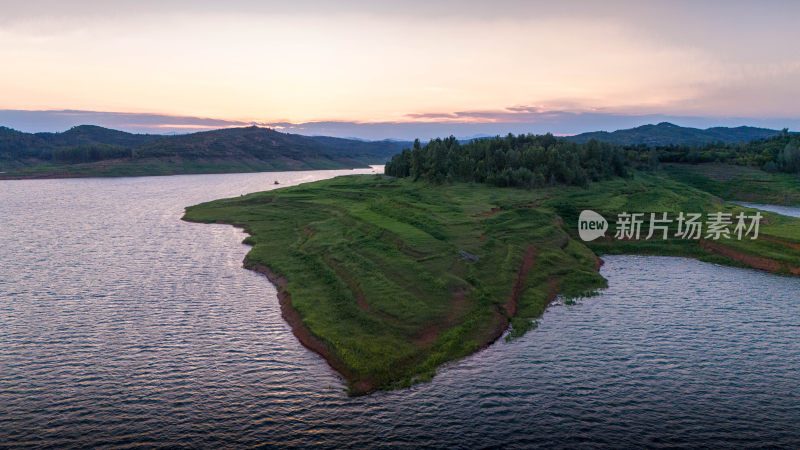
[{"x": 388, "y": 278}]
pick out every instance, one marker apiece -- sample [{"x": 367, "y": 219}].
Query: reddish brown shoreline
[
  {"x": 304, "y": 335},
  {"x": 503, "y": 313},
  {"x": 756, "y": 262},
  {"x": 360, "y": 386}
]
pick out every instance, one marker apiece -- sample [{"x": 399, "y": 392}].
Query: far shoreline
[{"x": 14, "y": 176}]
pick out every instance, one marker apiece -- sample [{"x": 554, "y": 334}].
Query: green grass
[
  {"x": 737, "y": 183},
  {"x": 375, "y": 271},
  {"x": 779, "y": 235}
]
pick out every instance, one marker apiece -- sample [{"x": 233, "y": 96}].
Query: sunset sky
[{"x": 566, "y": 67}]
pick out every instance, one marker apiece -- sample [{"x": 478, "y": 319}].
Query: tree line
[
  {"x": 531, "y": 161},
  {"x": 90, "y": 153},
  {"x": 780, "y": 153},
  {"x": 525, "y": 160}
]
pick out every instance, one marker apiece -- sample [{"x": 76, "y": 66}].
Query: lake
[
  {"x": 121, "y": 324},
  {"x": 791, "y": 211}
]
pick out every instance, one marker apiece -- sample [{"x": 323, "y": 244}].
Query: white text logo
[{"x": 591, "y": 225}]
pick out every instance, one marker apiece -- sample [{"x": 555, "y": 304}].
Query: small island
[{"x": 389, "y": 277}]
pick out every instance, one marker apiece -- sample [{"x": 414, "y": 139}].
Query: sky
[{"x": 381, "y": 69}]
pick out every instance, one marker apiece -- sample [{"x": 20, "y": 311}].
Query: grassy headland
[
  {"x": 395, "y": 277},
  {"x": 389, "y": 278}
]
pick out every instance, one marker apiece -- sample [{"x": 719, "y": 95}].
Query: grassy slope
[
  {"x": 737, "y": 183},
  {"x": 374, "y": 268},
  {"x": 375, "y": 271},
  {"x": 779, "y": 240}
]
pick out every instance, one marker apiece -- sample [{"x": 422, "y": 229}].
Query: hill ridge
[
  {"x": 667, "y": 133},
  {"x": 90, "y": 150}
]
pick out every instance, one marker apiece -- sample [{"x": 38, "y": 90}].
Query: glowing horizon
[{"x": 375, "y": 62}]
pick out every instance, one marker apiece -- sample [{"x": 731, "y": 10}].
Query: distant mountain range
[
  {"x": 88, "y": 150},
  {"x": 666, "y": 133}
]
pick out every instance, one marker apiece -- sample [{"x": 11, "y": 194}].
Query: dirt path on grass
[
  {"x": 528, "y": 261},
  {"x": 351, "y": 283},
  {"x": 458, "y": 305},
  {"x": 504, "y": 313},
  {"x": 793, "y": 245},
  {"x": 489, "y": 213}
]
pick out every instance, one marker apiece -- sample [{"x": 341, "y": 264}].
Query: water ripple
[{"x": 122, "y": 326}]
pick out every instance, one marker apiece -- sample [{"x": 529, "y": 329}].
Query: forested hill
[
  {"x": 265, "y": 143},
  {"x": 666, "y": 133},
  {"x": 534, "y": 161},
  {"x": 95, "y": 151},
  {"x": 17, "y": 145}
]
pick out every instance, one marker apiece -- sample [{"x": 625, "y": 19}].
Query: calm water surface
[
  {"x": 121, "y": 324},
  {"x": 791, "y": 211}
]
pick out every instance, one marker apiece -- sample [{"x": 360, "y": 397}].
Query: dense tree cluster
[
  {"x": 91, "y": 153},
  {"x": 780, "y": 153},
  {"x": 525, "y": 160},
  {"x": 534, "y": 161}
]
